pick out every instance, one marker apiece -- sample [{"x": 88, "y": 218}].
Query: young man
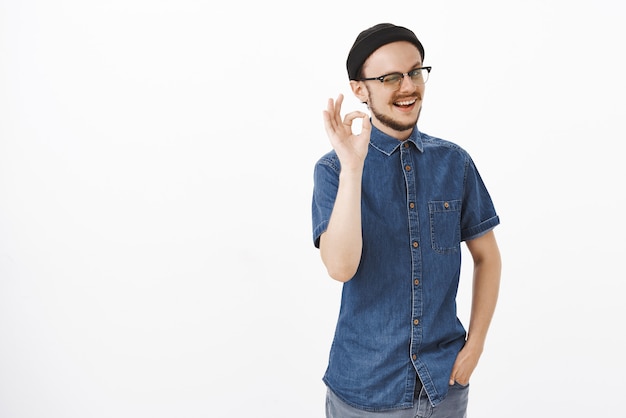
[{"x": 391, "y": 206}]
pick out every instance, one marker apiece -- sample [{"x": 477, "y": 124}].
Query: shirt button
[
  {"x": 446, "y": 205},
  {"x": 416, "y": 282},
  {"x": 412, "y": 205},
  {"x": 415, "y": 244},
  {"x": 416, "y": 321},
  {"x": 406, "y": 145},
  {"x": 407, "y": 167},
  {"x": 414, "y": 356}
]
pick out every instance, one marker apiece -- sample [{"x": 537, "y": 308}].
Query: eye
[
  {"x": 416, "y": 75},
  {"x": 392, "y": 78}
]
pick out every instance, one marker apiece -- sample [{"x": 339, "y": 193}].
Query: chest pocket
[{"x": 445, "y": 225}]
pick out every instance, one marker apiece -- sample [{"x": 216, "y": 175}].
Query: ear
[{"x": 359, "y": 90}]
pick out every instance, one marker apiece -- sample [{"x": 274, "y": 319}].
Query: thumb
[
  {"x": 366, "y": 124},
  {"x": 452, "y": 376}
]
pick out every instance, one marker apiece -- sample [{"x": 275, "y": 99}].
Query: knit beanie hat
[{"x": 373, "y": 38}]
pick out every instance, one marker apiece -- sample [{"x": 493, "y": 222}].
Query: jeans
[{"x": 453, "y": 406}]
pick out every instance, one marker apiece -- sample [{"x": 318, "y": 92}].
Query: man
[{"x": 391, "y": 206}]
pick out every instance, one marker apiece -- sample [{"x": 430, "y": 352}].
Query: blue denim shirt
[{"x": 420, "y": 199}]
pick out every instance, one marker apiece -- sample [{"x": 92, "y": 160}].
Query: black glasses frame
[{"x": 410, "y": 73}]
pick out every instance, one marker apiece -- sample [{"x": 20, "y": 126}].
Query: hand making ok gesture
[{"x": 350, "y": 148}]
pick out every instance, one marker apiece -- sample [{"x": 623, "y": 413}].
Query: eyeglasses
[{"x": 393, "y": 80}]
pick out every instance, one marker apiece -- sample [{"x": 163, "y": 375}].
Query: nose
[{"x": 407, "y": 84}]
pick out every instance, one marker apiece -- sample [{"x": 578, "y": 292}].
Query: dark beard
[
  {"x": 390, "y": 123},
  {"x": 393, "y": 124}
]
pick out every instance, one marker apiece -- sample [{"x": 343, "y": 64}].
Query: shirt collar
[{"x": 388, "y": 144}]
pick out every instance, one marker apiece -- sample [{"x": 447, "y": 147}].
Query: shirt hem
[{"x": 367, "y": 408}]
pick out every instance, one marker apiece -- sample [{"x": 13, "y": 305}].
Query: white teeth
[{"x": 406, "y": 103}]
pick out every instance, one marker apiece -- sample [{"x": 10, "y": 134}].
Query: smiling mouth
[{"x": 405, "y": 103}]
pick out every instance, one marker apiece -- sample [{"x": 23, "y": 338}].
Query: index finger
[{"x": 350, "y": 117}]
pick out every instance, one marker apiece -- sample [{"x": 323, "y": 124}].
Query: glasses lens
[
  {"x": 392, "y": 81},
  {"x": 419, "y": 76}
]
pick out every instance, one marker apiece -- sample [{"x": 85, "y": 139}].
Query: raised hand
[{"x": 350, "y": 148}]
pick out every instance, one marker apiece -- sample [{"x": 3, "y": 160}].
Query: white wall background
[{"x": 155, "y": 179}]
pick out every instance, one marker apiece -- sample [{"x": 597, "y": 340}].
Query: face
[{"x": 394, "y": 112}]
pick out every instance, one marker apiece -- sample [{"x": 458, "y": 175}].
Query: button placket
[{"x": 408, "y": 166}]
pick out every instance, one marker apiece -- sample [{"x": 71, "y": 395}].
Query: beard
[{"x": 392, "y": 123}]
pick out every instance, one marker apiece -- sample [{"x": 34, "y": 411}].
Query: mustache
[{"x": 416, "y": 96}]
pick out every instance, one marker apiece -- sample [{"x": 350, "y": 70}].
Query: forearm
[
  {"x": 342, "y": 242},
  {"x": 484, "y": 298}
]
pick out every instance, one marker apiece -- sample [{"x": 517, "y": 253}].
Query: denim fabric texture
[{"x": 420, "y": 199}]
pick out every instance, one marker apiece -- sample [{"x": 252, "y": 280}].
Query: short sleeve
[
  {"x": 325, "y": 185},
  {"x": 478, "y": 214}
]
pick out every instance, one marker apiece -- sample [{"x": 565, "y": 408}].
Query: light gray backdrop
[{"x": 156, "y": 160}]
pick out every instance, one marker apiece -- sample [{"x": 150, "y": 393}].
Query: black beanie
[{"x": 373, "y": 38}]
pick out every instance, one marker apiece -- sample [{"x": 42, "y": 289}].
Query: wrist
[
  {"x": 475, "y": 344},
  {"x": 351, "y": 172}
]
